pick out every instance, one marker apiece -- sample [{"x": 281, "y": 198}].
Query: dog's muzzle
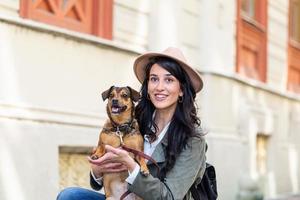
[{"x": 116, "y": 109}]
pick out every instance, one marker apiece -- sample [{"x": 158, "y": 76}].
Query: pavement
[{"x": 292, "y": 197}]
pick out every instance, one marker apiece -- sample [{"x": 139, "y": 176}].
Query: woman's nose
[{"x": 160, "y": 85}]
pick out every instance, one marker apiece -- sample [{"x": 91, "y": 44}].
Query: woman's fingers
[
  {"x": 108, "y": 157},
  {"x": 114, "y": 167},
  {"x": 109, "y": 148},
  {"x": 117, "y": 170},
  {"x": 111, "y": 167},
  {"x": 112, "y": 160},
  {"x": 120, "y": 154}
]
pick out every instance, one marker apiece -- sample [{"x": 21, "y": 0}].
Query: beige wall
[
  {"x": 51, "y": 80},
  {"x": 133, "y": 28}
]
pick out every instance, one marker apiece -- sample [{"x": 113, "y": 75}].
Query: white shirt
[{"x": 148, "y": 149}]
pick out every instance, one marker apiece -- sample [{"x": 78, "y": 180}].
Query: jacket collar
[{"x": 159, "y": 152}]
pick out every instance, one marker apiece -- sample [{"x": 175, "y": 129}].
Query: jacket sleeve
[{"x": 189, "y": 166}]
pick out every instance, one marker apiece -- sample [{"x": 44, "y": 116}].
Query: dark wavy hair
[{"x": 184, "y": 121}]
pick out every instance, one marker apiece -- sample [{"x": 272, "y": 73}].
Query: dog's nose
[{"x": 115, "y": 102}]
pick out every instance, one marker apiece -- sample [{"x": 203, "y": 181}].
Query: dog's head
[{"x": 120, "y": 104}]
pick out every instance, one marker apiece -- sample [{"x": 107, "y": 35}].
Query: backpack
[{"x": 207, "y": 188}]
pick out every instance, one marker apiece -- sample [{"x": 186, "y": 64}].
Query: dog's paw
[
  {"x": 145, "y": 172},
  {"x": 94, "y": 157}
]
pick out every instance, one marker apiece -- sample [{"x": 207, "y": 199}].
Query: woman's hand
[
  {"x": 114, "y": 160},
  {"x": 99, "y": 169}
]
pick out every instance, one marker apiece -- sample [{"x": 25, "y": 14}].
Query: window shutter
[
  {"x": 87, "y": 16},
  {"x": 252, "y": 39},
  {"x": 293, "y": 83},
  {"x": 294, "y": 69}
]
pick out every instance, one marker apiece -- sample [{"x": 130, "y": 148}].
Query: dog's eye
[
  {"x": 111, "y": 95},
  {"x": 124, "y": 95}
]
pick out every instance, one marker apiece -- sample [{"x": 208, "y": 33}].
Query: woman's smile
[{"x": 160, "y": 97}]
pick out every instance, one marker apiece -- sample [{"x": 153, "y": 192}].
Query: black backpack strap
[
  {"x": 207, "y": 188},
  {"x": 211, "y": 174}
]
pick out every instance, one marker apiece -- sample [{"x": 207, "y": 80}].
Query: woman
[{"x": 168, "y": 121}]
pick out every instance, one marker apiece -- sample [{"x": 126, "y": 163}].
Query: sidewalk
[{"x": 288, "y": 197}]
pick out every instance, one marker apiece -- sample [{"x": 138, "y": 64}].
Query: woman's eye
[
  {"x": 153, "y": 79},
  {"x": 169, "y": 80}
]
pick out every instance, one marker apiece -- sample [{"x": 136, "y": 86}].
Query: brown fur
[{"x": 125, "y": 97}]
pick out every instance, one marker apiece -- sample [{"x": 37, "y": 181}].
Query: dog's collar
[{"x": 124, "y": 128}]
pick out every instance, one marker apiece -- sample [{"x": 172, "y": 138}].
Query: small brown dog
[{"x": 120, "y": 129}]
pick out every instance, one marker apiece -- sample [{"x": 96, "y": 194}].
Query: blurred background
[{"x": 57, "y": 56}]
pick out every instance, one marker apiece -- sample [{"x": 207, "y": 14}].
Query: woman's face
[{"x": 163, "y": 89}]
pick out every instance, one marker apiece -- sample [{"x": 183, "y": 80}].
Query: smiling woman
[{"x": 167, "y": 119}]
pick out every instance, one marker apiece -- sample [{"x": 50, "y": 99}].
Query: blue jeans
[{"x": 77, "y": 193}]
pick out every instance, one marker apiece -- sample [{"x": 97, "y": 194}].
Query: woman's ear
[{"x": 181, "y": 93}]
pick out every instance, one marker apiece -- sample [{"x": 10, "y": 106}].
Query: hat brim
[{"x": 141, "y": 62}]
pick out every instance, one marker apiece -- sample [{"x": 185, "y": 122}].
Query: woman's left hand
[{"x": 116, "y": 155}]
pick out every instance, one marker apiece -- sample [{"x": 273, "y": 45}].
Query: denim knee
[
  {"x": 77, "y": 193},
  {"x": 67, "y": 194}
]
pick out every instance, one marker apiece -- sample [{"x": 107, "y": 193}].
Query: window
[
  {"x": 294, "y": 47},
  {"x": 294, "y": 20},
  {"x": 73, "y": 170},
  {"x": 248, "y": 8},
  {"x": 73, "y": 167},
  {"x": 251, "y": 38},
  {"x": 87, "y": 16},
  {"x": 261, "y": 153}
]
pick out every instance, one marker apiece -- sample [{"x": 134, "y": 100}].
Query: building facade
[{"x": 56, "y": 57}]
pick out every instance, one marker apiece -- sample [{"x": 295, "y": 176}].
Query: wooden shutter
[
  {"x": 294, "y": 47},
  {"x": 87, "y": 16},
  {"x": 251, "y": 38}
]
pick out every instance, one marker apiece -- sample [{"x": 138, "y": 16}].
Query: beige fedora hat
[{"x": 173, "y": 53}]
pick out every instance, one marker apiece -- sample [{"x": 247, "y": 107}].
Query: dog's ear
[
  {"x": 106, "y": 93},
  {"x": 135, "y": 95}
]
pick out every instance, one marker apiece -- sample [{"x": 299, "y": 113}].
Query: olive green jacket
[{"x": 189, "y": 167}]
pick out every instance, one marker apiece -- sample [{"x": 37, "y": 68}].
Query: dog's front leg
[{"x": 100, "y": 150}]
